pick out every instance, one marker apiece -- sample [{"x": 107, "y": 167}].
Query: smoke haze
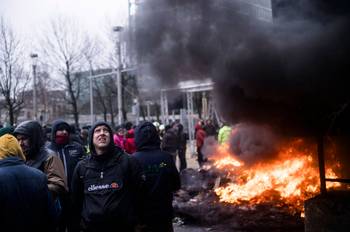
[{"x": 290, "y": 73}]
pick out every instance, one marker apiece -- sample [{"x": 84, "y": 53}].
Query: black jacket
[
  {"x": 170, "y": 142},
  {"x": 26, "y": 204},
  {"x": 70, "y": 154},
  {"x": 106, "y": 188},
  {"x": 162, "y": 177}
]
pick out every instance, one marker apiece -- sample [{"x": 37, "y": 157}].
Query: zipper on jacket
[
  {"x": 64, "y": 163},
  {"x": 101, "y": 175}
]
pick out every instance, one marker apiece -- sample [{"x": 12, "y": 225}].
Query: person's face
[
  {"x": 24, "y": 142},
  {"x": 84, "y": 134},
  {"x": 62, "y": 132},
  {"x": 101, "y": 137},
  {"x": 121, "y": 132}
]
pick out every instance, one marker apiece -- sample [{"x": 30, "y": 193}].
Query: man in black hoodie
[
  {"x": 70, "y": 153},
  {"x": 106, "y": 186},
  {"x": 162, "y": 179}
]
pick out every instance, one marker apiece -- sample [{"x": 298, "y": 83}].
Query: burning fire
[{"x": 290, "y": 179}]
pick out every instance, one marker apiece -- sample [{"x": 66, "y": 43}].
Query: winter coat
[
  {"x": 41, "y": 158},
  {"x": 182, "y": 138},
  {"x": 170, "y": 142},
  {"x": 70, "y": 154},
  {"x": 25, "y": 200},
  {"x": 106, "y": 188},
  {"x": 162, "y": 177},
  {"x": 210, "y": 130},
  {"x": 200, "y": 135},
  {"x": 119, "y": 140},
  {"x": 130, "y": 146},
  {"x": 224, "y": 134}
]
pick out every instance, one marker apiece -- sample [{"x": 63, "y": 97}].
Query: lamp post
[
  {"x": 91, "y": 100},
  {"x": 118, "y": 30},
  {"x": 34, "y": 58}
]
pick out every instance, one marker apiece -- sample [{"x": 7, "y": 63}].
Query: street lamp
[
  {"x": 91, "y": 100},
  {"x": 118, "y": 30},
  {"x": 34, "y": 58}
]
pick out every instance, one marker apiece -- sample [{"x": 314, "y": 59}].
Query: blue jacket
[
  {"x": 26, "y": 203},
  {"x": 162, "y": 177}
]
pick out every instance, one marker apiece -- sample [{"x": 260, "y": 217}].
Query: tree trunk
[
  {"x": 73, "y": 99},
  {"x": 11, "y": 115},
  {"x": 76, "y": 115},
  {"x": 105, "y": 115}
]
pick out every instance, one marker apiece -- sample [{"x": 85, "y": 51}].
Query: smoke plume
[
  {"x": 291, "y": 73},
  {"x": 252, "y": 143}
]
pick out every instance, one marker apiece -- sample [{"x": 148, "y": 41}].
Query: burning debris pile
[
  {"x": 246, "y": 195},
  {"x": 203, "y": 206},
  {"x": 289, "y": 180}
]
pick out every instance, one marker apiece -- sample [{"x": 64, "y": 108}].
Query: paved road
[{"x": 184, "y": 228}]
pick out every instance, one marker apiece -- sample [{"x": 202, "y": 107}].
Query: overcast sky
[{"x": 29, "y": 16}]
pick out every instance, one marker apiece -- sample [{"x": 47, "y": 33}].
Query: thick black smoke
[{"x": 291, "y": 73}]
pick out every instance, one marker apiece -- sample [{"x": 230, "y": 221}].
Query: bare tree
[
  {"x": 94, "y": 51},
  {"x": 102, "y": 101},
  {"x": 13, "y": 79},
  {"x": 64, "y": 46},
  {"x": 106, "y": 96}
]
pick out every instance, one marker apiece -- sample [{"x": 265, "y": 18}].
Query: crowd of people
[{"x": 100, "y": 179}]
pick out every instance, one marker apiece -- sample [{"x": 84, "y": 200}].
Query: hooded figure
[
  {"x": 9, "y": 147},
  {"x": 119, "y": 137},
  {"x": 25, "y": 200},
  {"x": 182, "y": 145},
  {"x": 70, "y": 153},
  {"x": 130, "y": 147},
  {"x": 162, "y": 179},
  {"x": 31, "y": 138},
  {"x": 106, "y": 185}
]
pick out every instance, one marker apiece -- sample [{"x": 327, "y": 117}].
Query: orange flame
[{"x": 290, "y": 179}]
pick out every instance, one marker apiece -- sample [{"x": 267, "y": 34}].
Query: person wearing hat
[
  {"x": 106, "y": 186},
  {"x": 25, "y": 200},
  {"x": 70, "y": 153},
  {"x": 31, "y": 139},
  {"x": 6, "y": 130}
]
